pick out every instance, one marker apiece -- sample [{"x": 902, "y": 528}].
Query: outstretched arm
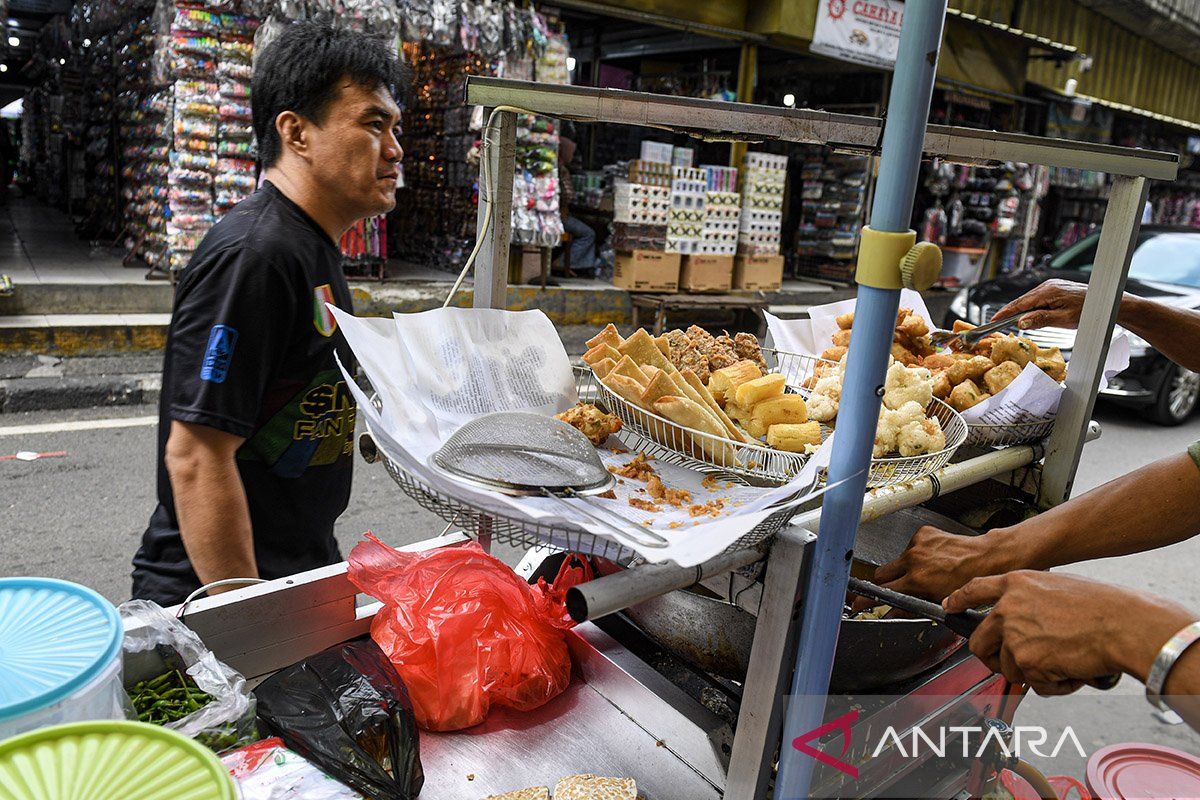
[{"x": 1174, "y": 332}]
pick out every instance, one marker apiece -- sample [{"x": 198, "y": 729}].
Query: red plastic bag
[
  {"x": 1066, "y": 787},
  {"x": 464, "y": 631}
]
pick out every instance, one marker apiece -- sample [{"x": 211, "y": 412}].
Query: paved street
[{"x": 81, "y": 516}]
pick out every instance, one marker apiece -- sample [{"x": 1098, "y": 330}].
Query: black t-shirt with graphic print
[{"x": 250, "y": 351}]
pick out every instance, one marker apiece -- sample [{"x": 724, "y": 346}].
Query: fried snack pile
[
  {"x": 910, "y": 344},
  {"x": 760, "y": 405},
  {"x": 578, "y": 787},
  {"x": 698, "y": 350},
  {"x": 593, "y": 423},
  {"x": 964, "y": 378}
]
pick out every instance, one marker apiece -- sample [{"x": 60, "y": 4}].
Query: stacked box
[
  {"x": 650, "y": 173},
  {"x": 722, "y": 213},
  {"x": 685, "y": 223},
  {"x": 683, "y": 157},
  {"x": 764, "y": 181},
  {"x": 639, "y": 204},
  {"x": 659, "y": 152}
]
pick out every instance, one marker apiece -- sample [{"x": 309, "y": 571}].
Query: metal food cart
[{"x": 632, "y": 708}]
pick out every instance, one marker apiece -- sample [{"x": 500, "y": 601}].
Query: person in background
[
  {"x": 583, "y": 238},
  {"x": 256, "y": 424},
  {"x": 1054, "y": 631}
]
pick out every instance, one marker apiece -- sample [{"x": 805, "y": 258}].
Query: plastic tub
[
  {"x": 110, "y": 761},
  {"x": 60, "y": 655}
]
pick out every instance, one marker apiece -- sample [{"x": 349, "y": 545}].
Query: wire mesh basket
[
  {"x": 1009, "y": 434},
  {"x": 529, "y": 533},
  {"x": 756, "y": 463}
]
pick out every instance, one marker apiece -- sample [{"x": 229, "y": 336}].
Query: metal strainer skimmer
[{"x": 524, "y": 455}]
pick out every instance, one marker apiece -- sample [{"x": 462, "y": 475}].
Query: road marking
[{"x": 78, "y": 425}]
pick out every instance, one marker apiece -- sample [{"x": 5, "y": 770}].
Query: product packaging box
[
  {"x": 758, "y": 273},
  {"x": 705, "y": 273},
  {"x": 647, "y": 271}
]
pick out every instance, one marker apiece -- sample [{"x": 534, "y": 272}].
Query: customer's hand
[
  {"x": 1052, "y": 631},
  {"x": 1063, "y": 299},
  {"x": 935, "y": 564}
]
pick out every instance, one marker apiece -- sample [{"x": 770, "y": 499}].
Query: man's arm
[
  {"x": 210, "y": 502},
  {"x": 1054, "y": 632},
  {"x": 1174, "y": 332},
  {"x": 1149, "y": 508}
]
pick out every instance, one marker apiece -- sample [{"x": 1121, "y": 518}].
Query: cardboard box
[
  {"x": 707, "y": 274},
  {"x": 758, "y": 273},
  {"x": 647, "y": 271}
]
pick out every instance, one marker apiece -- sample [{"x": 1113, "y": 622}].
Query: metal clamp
[{"x": 879, "y": 257}]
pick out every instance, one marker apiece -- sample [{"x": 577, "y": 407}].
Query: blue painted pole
[{"x": 858, "y": 414}]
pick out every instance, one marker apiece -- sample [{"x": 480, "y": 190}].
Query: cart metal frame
[{"x": 262, "y": 628}]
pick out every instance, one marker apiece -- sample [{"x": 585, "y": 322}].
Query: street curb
[
  {"x": 60, "y": 394},
  {"x": 81, "y": 340}
]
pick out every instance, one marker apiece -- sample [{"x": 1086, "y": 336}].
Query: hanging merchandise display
[
  {"x": 764, "y": 182},
  {"x": 364, "y": 248},
  {"x": 444, "y": 43},
  {"x": 833, "y": 200}
]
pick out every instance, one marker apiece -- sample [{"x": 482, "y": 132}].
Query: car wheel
[{"x": 1177, "y": 397}]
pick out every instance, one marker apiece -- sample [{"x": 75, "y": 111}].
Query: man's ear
[{"x": 293, "y": 133}]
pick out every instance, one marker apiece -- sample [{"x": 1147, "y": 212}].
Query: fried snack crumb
[
  {"x": 674, "y": 525},
  {"x": 660, "y": 492},
  {"x": 644, "y": 505},
  {"x": 711, "y": 483},
  {"x": 638, "y": 469},
  {"x": 712, "y": 508},
  {"x": 609, "y": 495}
]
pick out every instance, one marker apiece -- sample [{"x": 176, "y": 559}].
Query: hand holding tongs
[
  {"x": 963, "y": 623},
  {"x": 972, "y": 336}
]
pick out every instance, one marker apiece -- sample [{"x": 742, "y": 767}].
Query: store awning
[
  {"x": 1128, "y": 109},
  {"x": 1067, "y": 51}
]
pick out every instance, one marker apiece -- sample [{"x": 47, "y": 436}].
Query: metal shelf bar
[{"x": 745, "y": 121}]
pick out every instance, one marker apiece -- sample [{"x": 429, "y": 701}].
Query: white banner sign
[{"x": 863, "y": 31}]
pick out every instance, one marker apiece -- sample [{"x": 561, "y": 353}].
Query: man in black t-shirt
[{"x": 256, "y": 423}]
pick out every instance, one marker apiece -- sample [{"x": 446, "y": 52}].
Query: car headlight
[{"x": 959, "y": 304}]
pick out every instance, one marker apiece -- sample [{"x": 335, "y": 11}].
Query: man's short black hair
[{"x": 303, "y": 68}]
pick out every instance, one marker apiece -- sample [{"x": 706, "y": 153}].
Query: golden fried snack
[
  {"x": 532, "y": 793},
  {"x": 664, "y": 345},
  {"x": 629, "y": 369},
  {"x": 626, "y": 388},
  {"x": 978, "y": 366},
  {"x": 591, "y": 787},
  {"x": 731, "y": 430},
  {"x": 922, "y": 346},
  {"x": 985, "y": 345},
  {"x": 755, "y": 427},
  {"x": 593, "y": 423},
  {"x": 1000, "y": 376},
  {"x": 603, "y": 367},
  {"x": 722, "y": 353},
  {"x": 599, "y": 352},
  {"x": 966, "y": 395},
  {"x": 841, "y": 338},
  {"x": 700, "y": 336},
  {"x": 904, "y": 355},
  {"x": 912, "y": 327},
  {"x": 794, "y": 437},
  {"x": 937, "y": 362},
  {"x": 787, "y": 409},
  {"x": 941, "y": 385},
  {"x": 662, "y": 386},
  {"x": 960, "y": 326},
  {"x": 686, "y": 390},
  {"x": 747, "y": 348},
  {"x": 690, "y": 414},
  {"x": 608, "y": 336},
  {"x": 736, "y": 412},
  {"x": 901, "y": 315},
  {"x": 722, "y": 382},
  {"x": 642, "y": 349},
  {"x": 1052, "y": 363},
  {"x": 961, "y": 370},
  {"x": 755, "y": 391},
  {"x": 835, "y": 353},
  {"x": 1012, "y": 348},
  {"x": 845, "y": 321},
  {"x": 649, "y": 371}
]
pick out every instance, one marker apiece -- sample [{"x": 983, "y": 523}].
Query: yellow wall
[{"x": 725, "y": 13}]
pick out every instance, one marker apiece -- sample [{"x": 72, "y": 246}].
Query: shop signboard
[{"x": 861, "y": 31}]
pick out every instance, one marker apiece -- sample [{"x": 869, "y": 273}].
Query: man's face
[{"x": 355, "y": 155}]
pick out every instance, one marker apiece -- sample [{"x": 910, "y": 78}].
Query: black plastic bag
[{"x": 347, "y": 711}]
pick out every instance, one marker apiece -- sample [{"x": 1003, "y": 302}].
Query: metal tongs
[
  {"x": 971, "y": 337},
  {"x": 963, "y": 623}
]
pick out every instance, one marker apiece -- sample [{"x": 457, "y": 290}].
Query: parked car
[{"x": 1165, "y": 267}]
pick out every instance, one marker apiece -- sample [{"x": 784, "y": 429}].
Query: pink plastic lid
[{"x": 1143, "y": 772}]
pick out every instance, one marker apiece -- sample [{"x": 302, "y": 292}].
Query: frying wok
[{"x": 716, "y": 635}]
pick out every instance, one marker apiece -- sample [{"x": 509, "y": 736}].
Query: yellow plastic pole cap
[{"x": 921, "y": 266}]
